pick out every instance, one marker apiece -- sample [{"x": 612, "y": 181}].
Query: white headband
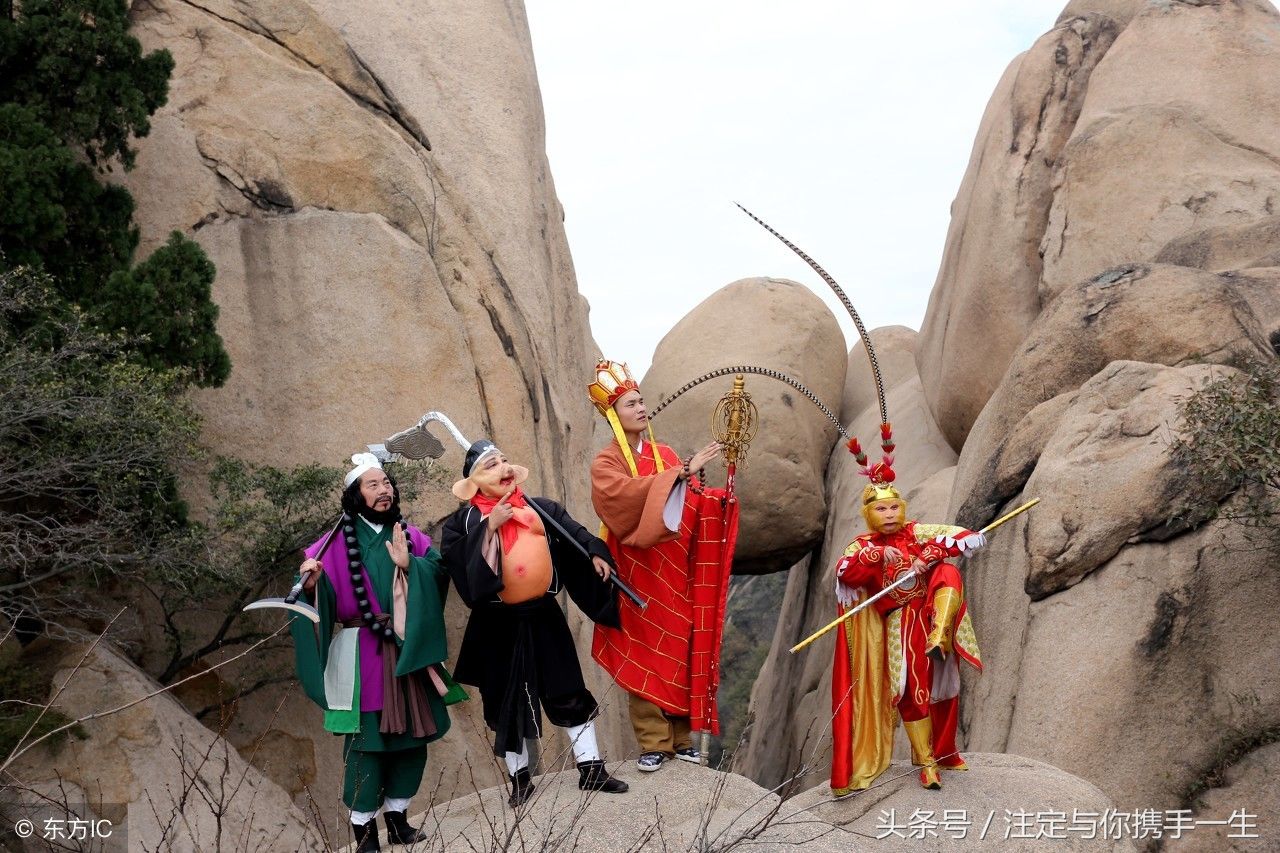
[{"x": 363, "y": 462}]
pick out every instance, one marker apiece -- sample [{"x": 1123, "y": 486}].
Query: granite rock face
[
  {"x": 1084, "y": 295},
  {"x": 182, "y": 786},
  {"x": 371, "y": 182},
  {"x": 987, "y": 292},
  {"x": 684, "y": 807}
]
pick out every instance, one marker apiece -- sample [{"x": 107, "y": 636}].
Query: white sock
[
  {"x": 517, "y": 760},
  {"x": 395, "y": 804},
  {"x": 361, "y": 818},
  {"x": 583, "y": 738}
]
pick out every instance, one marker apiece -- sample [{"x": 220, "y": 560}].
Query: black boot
[
  {"x": 521, "y": 787},
  {"x": 399, "y": 831},
  {"x": 366, "y": 836},
  {"x": 592, "y": 776}
]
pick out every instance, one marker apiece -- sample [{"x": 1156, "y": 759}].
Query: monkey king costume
[
  {"x": 673, "y": 545},
  {"x": 518, "y": 649},
  {"x": 903, "y": 651},
  {"x": 380, "y": 678}
]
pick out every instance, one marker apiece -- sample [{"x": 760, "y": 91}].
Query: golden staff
[{"x": 843, "y": 616}]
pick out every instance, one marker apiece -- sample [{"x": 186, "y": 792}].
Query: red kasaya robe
[
  {"x": 880, "y": 663},
  {"x": 669, "y": 652}
]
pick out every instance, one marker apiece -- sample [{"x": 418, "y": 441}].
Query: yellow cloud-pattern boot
[
  {"x": 946, "y": 604},
  {"x": 920, "y": 734}
]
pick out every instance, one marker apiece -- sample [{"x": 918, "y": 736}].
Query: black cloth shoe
[
  {"x": 521, "y": 787},
  {"x": 651, "y": 761},
  {"x": 400, "y": 831},
  {"x": 592, "y": 776},
  {"x": 366, "y": 836},
  {"x": 689, "y": 754}
]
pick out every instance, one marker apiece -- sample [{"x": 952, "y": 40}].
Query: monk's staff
[{"x": 902, "y": 580}]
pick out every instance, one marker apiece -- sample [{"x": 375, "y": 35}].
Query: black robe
[{"x": 514, "y": 652}]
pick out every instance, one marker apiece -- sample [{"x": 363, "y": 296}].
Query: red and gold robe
[
  {"x": 669, "y": 652},
  {"x": 881, "y": 670}
]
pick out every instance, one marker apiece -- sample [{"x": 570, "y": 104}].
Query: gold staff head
[{"x": 734, "y": 422}]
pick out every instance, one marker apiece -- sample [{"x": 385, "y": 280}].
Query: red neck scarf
[{"x": 511, "y": 530}]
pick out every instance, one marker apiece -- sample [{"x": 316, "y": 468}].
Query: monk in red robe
[{"x": 673, "y": 545}]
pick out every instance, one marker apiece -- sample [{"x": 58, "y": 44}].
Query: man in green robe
[{"x": 380, "y": 677}]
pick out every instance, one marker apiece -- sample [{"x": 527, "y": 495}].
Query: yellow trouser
[{"x": 657, "y": 731}]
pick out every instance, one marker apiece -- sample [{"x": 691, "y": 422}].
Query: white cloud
[{"x": 846, "y": 126}]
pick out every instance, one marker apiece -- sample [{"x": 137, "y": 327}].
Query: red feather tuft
[
  {"x": 854, "y": 447},
  {"x": 886, "y": 432},
  {"x": 882, "y": 473}
]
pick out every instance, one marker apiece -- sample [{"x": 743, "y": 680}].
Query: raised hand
[
  {"x": 699, "y": 460},
  {"x": 398, "y": 547},
  {"x": 892, "y": 556},
  {"x": 502, "y": 512}
]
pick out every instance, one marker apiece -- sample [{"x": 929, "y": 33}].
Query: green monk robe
[{"x": 378, "y": 763}]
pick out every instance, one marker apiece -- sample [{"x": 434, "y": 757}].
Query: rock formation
[
  {"x": 695, "y": 808},
  {"x": 372, "y": 184},
  {"x": 186, "y": 788},
  {"x": 783, "y": 326},
  {"x": 1113, "y": 246}
]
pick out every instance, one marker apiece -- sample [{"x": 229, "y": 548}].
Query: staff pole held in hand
[
  {"x": 863, "y": 605},
  {"x": 294, "y": 593}
]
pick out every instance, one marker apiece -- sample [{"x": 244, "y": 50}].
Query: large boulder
[
  {"x": 786, "y": 460},
  {"x": 1134, "y": 678},
  {"x": 1107, "y": 468},
  {"x": 1091, "y": 588},
  {"x": 183, "y": 788},
  {"x": 1156, "y": 314},
  {"x": 1176, "y": 134},
  {"x": 985, "y": 297},
  {"x": 1109, "y": 211},
  {"x": 895, "y": 349},
  {"x": 695, "y": 808},
  {"x": 1208, "y": 58},
  {"x": 293, "y": 149}
]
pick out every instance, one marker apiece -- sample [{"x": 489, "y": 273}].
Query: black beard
[
  {"x": 353, "y": 504},
  {"x": 387, "y": 516}
]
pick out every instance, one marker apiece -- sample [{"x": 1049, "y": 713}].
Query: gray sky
[{"x": 846, "y": 126}]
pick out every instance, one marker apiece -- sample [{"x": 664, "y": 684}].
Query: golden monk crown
[{"x": 612, "y": 381}]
